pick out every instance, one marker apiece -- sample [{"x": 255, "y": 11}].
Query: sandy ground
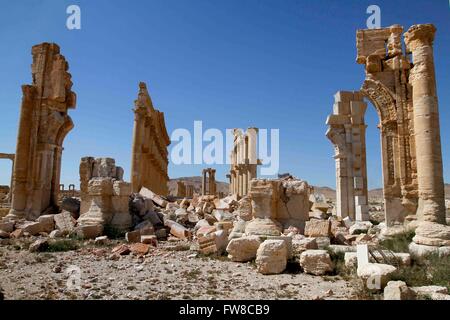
[{"x": 165, "y": 273}]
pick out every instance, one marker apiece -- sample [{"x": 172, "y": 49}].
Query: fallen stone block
[
  {"x": 323, "y": 242},
  {"x": 317, "y": 228},
  {"x": 122, "y": 250},
  {"x": 47, "y": 222},
  {"x": 316, "y": 262},
  {"x": 299, "y": 246},
  {"x": 420, "y": 253},
  {"x": 347, "y": 222},
  {"x": 147, "y": 193},
  {"x": 359, "y": 227},
  {"x": 424, "y": 291},
  {"x": 139, "y": 249},
  {"x": 16, "y": 233},
  {"x": 32, "y": 228},
  {"x": 89, "y": 231},
  {"x": 224, "y": 225},
  {"x": 4, "y": 234},
  {"x": 161, "y": 234},
  {"x": 39, "y": 245},
  {"x": 397, "y": 290},
  {"x": 179, "y": 231},
  {"x": 56, "y": 234},
  {"x": 375, "y": 275},
  {"x": 150, "y": 239},
  {"x": 64, "y": 221},
  {"x": 243, "y": 249},
  {"x": 7, "y": 226},
  {"x": 207, "y": 244},
  {"x": 133, "y": 236},
  {"x": 271, "y": 257}
]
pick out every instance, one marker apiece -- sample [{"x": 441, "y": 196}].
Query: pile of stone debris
[{"x": 277, "y": 223}]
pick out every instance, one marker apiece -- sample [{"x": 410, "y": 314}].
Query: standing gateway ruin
[
  {"x": 244, "y": 161},
  {"x": 149, "y": 150},
  {"x": 403, "y": 92},
  {"x": 44, "y": 123}
]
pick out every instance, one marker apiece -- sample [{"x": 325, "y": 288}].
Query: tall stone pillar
[
  {"x": 43, "y": 125},
  {"x": 203, "y": 182},
  {"x": 431, "y": 206}
]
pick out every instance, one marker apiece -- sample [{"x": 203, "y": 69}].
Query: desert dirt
[{"x": 169, "y": 271}]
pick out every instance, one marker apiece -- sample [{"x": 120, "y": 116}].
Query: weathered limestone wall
[
  {"x": 104, "y": 195},
  {"x": 43, "y": 125},
  {"x": 347, "y": 133},
  {"x": 244, "y": 161},
  {"x": 149, "y": 151}
]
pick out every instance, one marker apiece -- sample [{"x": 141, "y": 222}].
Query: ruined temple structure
[
  {"x": 43, "y": 124},
  {"x": 180, "y": 189},
  {"x": 10, "y": 157},
  {"x": 149, "y": 150},
  {"x": 347, "y": 133},
  {"x": 209, "y": 178},
  {"x": 403, "y": 91},
  {"x": 104, "y": 195},
  {"x": 244, "y": 161}
]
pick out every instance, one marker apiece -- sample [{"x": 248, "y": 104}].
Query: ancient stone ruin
[
  {"x": 149, "y": 149},
  {"x": 209, "y": 181},
  {"x": 403, "y": 92},
  {"x": 347, "y": 133},
  {"x": 180, "y": 191},
  {"x": 104, "y": 195},
  {"x": 43, "y": 125},
  {"x": 244, "y": 161}
]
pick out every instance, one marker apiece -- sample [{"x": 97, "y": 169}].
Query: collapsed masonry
[
  {"x": 104, "y": 195},
  {"x": 404, "y": 95},
  {"x": 244, "y": 161},
  {"x": 149, "y": 149},
  {"x": 43, "y": 125}
]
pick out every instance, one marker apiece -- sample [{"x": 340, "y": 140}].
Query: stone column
[
  {"x": 431, "y": 206},
  {"x": 203, "y": 182}
]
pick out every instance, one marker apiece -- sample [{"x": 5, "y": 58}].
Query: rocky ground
[{"x": 169, "y": 271}]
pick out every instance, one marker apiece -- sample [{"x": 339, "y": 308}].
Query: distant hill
[
  {"x": 328, "y": 192},
  {"x": 197, "y": 183}
]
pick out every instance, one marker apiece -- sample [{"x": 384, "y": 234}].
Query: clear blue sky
[{"x": 233, "y": 63}]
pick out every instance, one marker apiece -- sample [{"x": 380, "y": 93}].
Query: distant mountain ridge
[{"x": 328, "y": 192}]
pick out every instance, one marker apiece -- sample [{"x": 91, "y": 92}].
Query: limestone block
[
  {"x": 317, "y": 228},
  {"x": 133, "y": 236},
  {"x": 121, "y": 188},
  {"x": 47, "y": 222},
  {"x": 420, "y": 252},
  {"x": 301, "y": 245},
  {"x": 360, "y": 227},
  {"x": 432, "y": 234},
  {"x": 245, "y": 209},
  {"x": 243, "y": 249},
  {"x": 89, "y": 231},
  {"x": 398, "y": 290},
  {"x": 146, "y": 193},
  {"x": 30, "y": 227},
  {"x": 316, "y": 262},
  {"x": 39, "y": 245},
  {"x": 7, "y": 226},
  {"x": 271, "y": 257},
  {"x": 263, "y": 227},
  {"x": 104, "y": 167},
  {"x": 100, "y": 187},
  {"x": 375, "y": 275}
]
